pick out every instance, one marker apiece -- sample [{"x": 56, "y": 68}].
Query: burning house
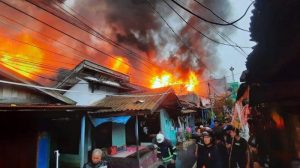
[{"x": 39, "y": 45}]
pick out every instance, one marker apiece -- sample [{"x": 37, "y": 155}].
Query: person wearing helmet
[
  {"x": 165, "y": 151},
  {"x": 209, "y": 155}
]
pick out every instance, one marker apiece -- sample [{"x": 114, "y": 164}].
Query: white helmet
[{"x": 160, "y": 138}]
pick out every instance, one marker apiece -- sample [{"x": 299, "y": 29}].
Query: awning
[{"x": 120, "y": 120}]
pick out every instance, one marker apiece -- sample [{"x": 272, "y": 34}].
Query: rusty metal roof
[
  {"x": 134, "y": 102},
  {"x": 48, "y": 108},
  {"x": 24, "y": 80},
  {"x": 71, "y": 79}
]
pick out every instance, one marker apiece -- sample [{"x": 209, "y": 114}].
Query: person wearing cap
[
  {"x": 165, "y": 151},
  {"x": 239, "y": 152},
  {"x": 208, "y": 155}
]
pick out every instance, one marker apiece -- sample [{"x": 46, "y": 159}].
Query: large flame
[
  {"x": 120, "y": 64},
  {"x": 165, "y": 79},
  {"x": 181, "y": 86},
  {"x": 192, "y": 82},
  {"x": 22, "y": 59}
]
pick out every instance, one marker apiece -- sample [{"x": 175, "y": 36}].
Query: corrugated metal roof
[
  {"x": 70, "y": 80},
  {"x": 131, "y": 103},
  {"x": 51, "y": 93},
  {"x": 134, "y": 102}
]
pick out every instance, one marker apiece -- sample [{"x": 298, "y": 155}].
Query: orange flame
[
  {"x": 167, "y": 79},
  {"x": 120, "y": 64},
  {"x": 22, "y": 59},
  {"x": 192, "y": 82},
  {"x": 277, "y": 119}
]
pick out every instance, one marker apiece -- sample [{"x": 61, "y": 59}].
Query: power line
[
  {"x": 40, "y": 21},
  {"x": 48, "y": 37},
  {"x": 32, "y": 45},
  {"x": 46, "y": 88},
  {"x": 222, "y": 35},
  {"x": 242, "y": 52},
  {"x": 16, "y": 67},
  {"x": 94, "y": 32},
  {"x": 176, "y": 35},
  {"x": 186, "y": 23},
  {"x": 211, "y": 22},
  {"x": 76, "y": 91},
  {"x": 51, "y": 79},
  {"x": 213, "y": 40},
  {"x": 219, "y": 16},
  {"x": 102, "y": 52}
]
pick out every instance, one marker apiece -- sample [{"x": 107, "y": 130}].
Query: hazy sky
[{"x": 228, "y": 55}]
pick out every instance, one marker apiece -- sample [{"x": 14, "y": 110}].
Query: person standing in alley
[
  {"x": 253, "y": 149},
  {"x": 165, "y": 151},
  {"x": 209, "y": 156},
  {"x": 239, "y": 152}
]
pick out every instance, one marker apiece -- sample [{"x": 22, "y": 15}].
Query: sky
[
  {"x": 130, "y": 23},
  {"x": 229, "y": 57}
]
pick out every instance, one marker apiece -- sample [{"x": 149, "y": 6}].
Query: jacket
[
  {"x": 166, "y": 151},
  {"x": 210, "y": 157}
]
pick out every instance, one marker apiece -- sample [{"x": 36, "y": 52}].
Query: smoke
[
  {"x": 195, "y": 51},
  {"x": 134, "y": 24}
]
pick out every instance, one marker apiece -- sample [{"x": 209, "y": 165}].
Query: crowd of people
[
  {"x": 217, "y": 147},
  {"x": 223, "y": 147}
]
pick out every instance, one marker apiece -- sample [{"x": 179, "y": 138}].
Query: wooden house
[{"x": 28, "y": 118}]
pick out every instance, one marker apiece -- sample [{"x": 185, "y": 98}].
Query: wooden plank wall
[{"x": 17, "y": 95}]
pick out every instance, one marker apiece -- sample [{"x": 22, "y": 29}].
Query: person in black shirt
[
  {"x": 239, "y": 151},
  {"x": 254, "y": 161},
  {"x": 209, "y": 155}
]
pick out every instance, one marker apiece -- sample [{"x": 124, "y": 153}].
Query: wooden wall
[{"x": 19, "y": 95}]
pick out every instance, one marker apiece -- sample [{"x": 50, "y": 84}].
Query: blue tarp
[
  {"x": 43, "y": 152},
  {"x": 120, "y": 120}
]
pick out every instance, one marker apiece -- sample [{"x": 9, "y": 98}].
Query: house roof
[
  {"x": 60, "y": 112},
  {"x": 139, "y": 102},
  {"x": 48, "y": 108},
  {"x": 89, "y": 71},
  {"x": 51, "y": 93}
]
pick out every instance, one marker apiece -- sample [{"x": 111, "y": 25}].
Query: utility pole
[
  {"x": 210, "y": 99},
  {"x": 231, "y": 69}
]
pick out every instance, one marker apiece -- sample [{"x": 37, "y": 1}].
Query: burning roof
[{"x": 122, "y": 35}]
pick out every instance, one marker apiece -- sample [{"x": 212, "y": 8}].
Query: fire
[
  {"x": 167, "y": 79},
  {"x": 277, "y": 119},
  {"x": 192, "y": 82},
  {"x": 22, "y": 59},
  {"x": 120, "y": 64}
]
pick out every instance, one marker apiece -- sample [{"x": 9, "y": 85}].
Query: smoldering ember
[{"x": 149, "y": 83}]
